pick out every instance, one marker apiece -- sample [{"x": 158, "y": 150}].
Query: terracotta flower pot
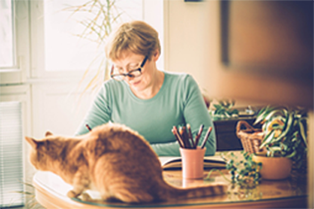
[{"x": 273, "y": 168}]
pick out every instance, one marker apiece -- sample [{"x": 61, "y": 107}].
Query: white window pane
[
  {"x": 64, "y": 50},
  {"x": 6, "y": 34}
]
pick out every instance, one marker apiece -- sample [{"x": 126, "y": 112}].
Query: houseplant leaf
[
  {"x": 267, "y": 139},
  {"x": 302, "y": 132},
  {"x": 260, "y": 116},
  {"x": 287, "y": 128}
]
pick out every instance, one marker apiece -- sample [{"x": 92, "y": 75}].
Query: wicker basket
[{"x": 251, "y": 138}]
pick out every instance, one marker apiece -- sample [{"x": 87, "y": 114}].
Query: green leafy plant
[
  {"x": 224, "y": 109},
  {"x": 244, "y": 171},
  {"x": 284, "y": 131}
]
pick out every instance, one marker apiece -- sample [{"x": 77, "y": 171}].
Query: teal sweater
[{"x": 178, "y": 102}]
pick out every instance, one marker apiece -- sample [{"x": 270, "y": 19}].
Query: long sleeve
[
  {"x": 99, "y": 112},
  {"x": 195, "y": 113},
  {"x": 178, "y": 102}
]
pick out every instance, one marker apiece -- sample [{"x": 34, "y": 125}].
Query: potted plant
[
  {"x": 243, "y": 171},
  {"x": 223, "y": 109},
  {"x": 284, "y": 139}
]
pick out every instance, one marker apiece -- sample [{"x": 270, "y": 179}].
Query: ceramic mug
[{"x": 192, "y": 163}]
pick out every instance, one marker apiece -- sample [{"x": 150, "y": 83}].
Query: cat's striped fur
[{"x": 114, "y": 160}]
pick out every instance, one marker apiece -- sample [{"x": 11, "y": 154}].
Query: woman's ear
[{"x": 156, "y": 55}]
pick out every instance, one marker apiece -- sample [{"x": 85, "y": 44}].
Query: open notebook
[{"x": 175, "y": 162}]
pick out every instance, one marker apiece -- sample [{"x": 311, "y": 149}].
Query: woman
[{"x": 144, "y": 98}]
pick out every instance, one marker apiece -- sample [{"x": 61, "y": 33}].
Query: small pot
[{"x": 273, "y": 168}]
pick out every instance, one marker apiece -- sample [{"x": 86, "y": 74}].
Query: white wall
[
  {"x": 192, "y": 41},
  {"x": 153, "y": 15},
  {"x": 184, "y": 37}
]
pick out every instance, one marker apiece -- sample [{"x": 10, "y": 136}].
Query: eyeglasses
[{"x": 132, "y": 73}]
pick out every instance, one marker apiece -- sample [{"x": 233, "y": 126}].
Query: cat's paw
[
  {"x": 72, "y": 194},
  {"x": 85, "y": 197}
]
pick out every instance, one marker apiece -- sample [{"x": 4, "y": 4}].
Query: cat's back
[
  {"x": 123, "y": 155},
  {"x": 126, "y": 168},
  {"x": 123, "y": 144},
  {"x": 119, "y": 137}
]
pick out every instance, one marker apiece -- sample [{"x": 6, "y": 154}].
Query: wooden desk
[{"x": 51, "y": 193}]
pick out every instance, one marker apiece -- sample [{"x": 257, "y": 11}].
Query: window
[
  {"x": 14, "y": 41},
  {"x": 7, "y": 52},
  {"x": 63, "y": 48},
  {"x": 43, "y": 56},
  {"x": 11, "y": 161}
]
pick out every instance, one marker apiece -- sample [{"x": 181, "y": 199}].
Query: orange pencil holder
[{"x": 192, "y": 163}]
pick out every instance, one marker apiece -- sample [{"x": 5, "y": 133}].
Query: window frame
[
  {"x": 38, "y": 70},
  {"x": 37, "y": 42},
  {"x": 18, "y": 73}
]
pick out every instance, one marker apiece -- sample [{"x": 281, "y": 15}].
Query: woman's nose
[{"x": 128, "y": 78}]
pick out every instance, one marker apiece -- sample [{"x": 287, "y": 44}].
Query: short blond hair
[{"x": 136, "y": 37}]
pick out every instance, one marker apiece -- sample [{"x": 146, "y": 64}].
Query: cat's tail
[{"x": 195, "y": 192}]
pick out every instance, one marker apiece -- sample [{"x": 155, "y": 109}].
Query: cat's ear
[
  {"x": 31, "y": 141},
  {"x": 48, "y": 133}
]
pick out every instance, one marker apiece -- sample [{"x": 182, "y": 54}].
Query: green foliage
[
  {"x": 244, "y": 172},
  {"x": 284, "y": 131},
  {"x": 224, "y": 109}
]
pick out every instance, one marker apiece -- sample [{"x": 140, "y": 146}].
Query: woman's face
[{"x": 131, "y": 62}]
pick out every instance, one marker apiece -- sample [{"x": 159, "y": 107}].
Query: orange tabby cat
[{"x": 113, "y": 160}]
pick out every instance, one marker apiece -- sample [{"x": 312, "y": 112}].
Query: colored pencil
[
  {"x": 88, "y": 127},
  {"x": 190, "y": 135},
  {"x": 175, "y": 133},
  {"x": 186, "y": 138},
  {"x": 198, "y": 136},
  {"x": 206, "y": 137}
]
